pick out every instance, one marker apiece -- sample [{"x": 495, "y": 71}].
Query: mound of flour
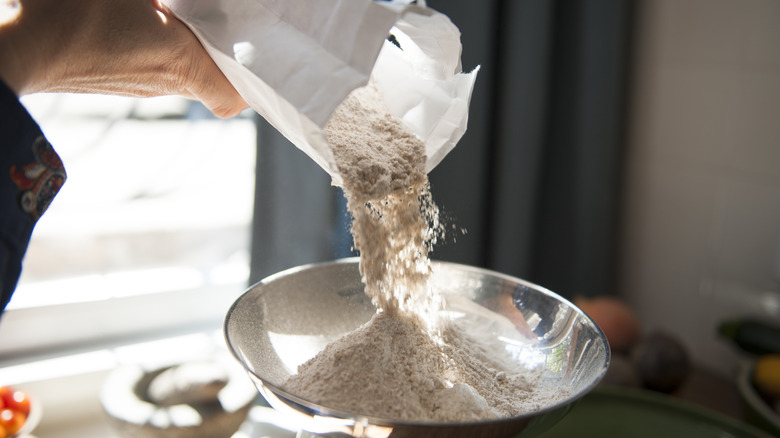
[
  {"x": 392, "y": 368},
  {"x": 404, "y": 363}
]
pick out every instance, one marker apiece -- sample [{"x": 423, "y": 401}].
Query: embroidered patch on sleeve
[{"x": 39, "y": 181}]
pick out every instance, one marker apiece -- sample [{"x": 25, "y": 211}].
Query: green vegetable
[{"x": 752, "y": 336}]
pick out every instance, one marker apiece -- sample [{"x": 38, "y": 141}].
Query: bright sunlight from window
[{"x": 158, "y": 198}]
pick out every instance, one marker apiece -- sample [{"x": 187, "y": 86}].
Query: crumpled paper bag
[{"x": 295, "y": 61}]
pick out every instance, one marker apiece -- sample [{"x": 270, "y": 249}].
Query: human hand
[{"x": 121, "y": 47}]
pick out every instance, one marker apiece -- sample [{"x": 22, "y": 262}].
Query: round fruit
[
  {"x": 18, "y": 401},
  {"x": 5, "y": 394},
  {"x": 12, "y": 420},
  {"x": 14, "y": 409},
  {"x": 766, "y": 375},
  {"x": 662, "y": 362},
  {"x": 618, "y": 322}
]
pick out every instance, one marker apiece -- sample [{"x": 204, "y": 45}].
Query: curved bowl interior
[{"x": 288, "y": 318}]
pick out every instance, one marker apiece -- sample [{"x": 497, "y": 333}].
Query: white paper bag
[{"x": 295, "y": 61}]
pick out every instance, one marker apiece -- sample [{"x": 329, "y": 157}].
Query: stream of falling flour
[
  {"x": 394, "y": 220},
  {"x": 404, "y": 363}
]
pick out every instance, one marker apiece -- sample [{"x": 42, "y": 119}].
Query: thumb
[
  {"x": 215, "y": 91},
  {"x": 201, "y": 79}
]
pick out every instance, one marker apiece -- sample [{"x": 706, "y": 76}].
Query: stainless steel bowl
[{"x": 289, "y": 317}]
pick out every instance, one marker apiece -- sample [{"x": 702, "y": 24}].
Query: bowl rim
[{"x": 319, "y": 410}]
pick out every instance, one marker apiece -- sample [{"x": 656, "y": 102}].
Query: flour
[
  {"x": 394, "y": 220},
  {"x": 404, "y": 363},
  {"x": 391, "y": 368}
]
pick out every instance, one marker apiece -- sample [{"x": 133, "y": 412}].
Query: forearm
[
  {"x": 36, "y": 43},
  {"x": 122, "y": 47}
]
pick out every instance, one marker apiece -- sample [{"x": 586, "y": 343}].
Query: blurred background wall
[{"x": 700, "y": 236}]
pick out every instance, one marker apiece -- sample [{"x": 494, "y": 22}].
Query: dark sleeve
[{"x": 31, "y": 174}]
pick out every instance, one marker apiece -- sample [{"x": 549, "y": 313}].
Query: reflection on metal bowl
[{"x": 289, "y": 317}]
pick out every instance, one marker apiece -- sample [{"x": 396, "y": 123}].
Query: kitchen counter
[{"x": 72, "y": 408}]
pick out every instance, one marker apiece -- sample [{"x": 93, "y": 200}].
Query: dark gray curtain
[
  {"x": 299, "y": 217},
  {"x": 546, "y": 128},
  {"x": 534, "y": 181}
]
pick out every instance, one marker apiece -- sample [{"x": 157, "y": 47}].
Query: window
[{"x": 151, "y": 232}]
